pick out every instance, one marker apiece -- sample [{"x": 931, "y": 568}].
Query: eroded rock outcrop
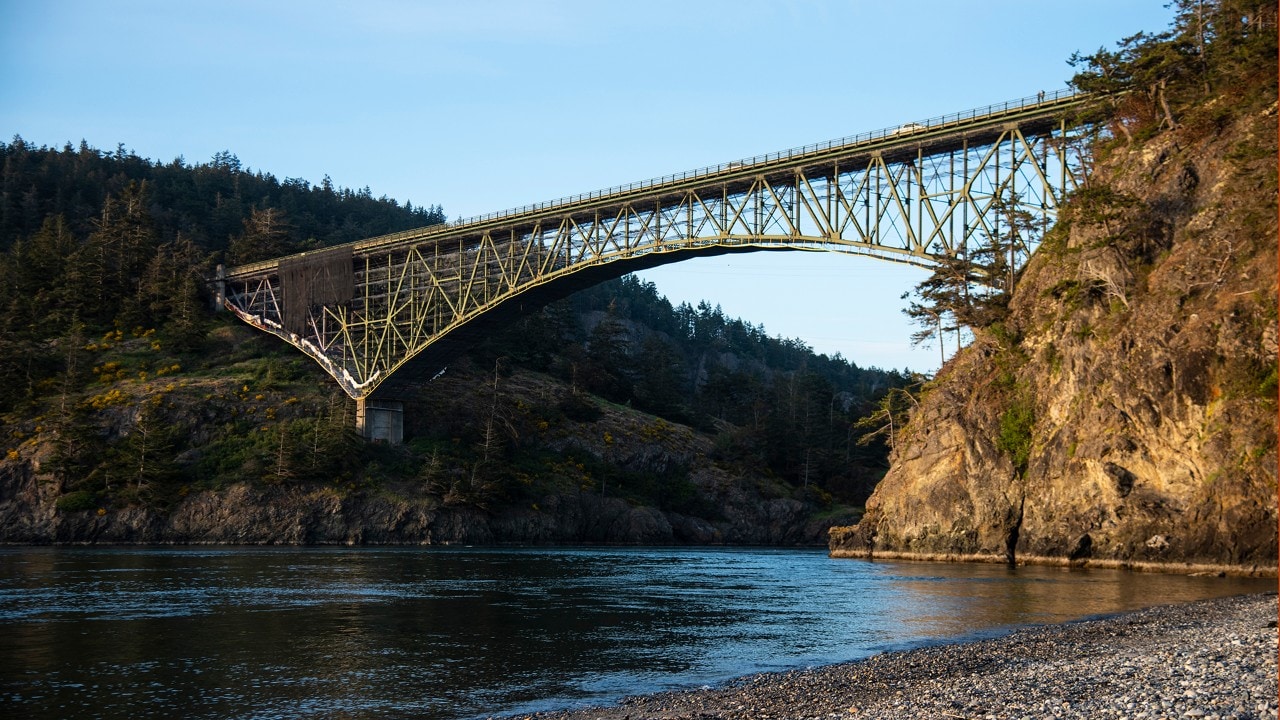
[
  {"x": 739, "y": 510},
  {"x": 1139, "y": 360}
]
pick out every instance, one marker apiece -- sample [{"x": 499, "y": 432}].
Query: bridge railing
[
  {"x": 881, "y": 134},
  {"x": 1043, "y": 100}
]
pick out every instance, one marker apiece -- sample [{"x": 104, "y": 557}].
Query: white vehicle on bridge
[{"x": 908, "y": 129}]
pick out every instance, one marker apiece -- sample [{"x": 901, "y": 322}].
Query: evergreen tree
[
  {"x": 1212, "y": 44},
  {"x": 35, "y": 277},
  {"x": 660, "y": 385},
  {"x": 608, "y": 365},
  {"x": 1006, "y": 244},
  {"x": 104, "y": 273},
  {"x": 946, "y": 301},
  {"x": 171, "y": 291},
  {"x": 890, "y": 414},
  {"x": 144, "y": 459},
  {"x": 266, "y": 235},
  {"x": 973, "y": 292}
]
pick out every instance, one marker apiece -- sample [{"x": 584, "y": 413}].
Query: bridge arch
[
  {"x": 382, "y": 313},
  {"x": 467, "y": 330}
]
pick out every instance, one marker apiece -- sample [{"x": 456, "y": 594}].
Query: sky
[{"x": 485, "y": 105}]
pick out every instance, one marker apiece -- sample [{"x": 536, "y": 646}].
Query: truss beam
[{"x": 910, "y": 195}]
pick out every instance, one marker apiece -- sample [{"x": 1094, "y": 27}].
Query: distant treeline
[{"x": 207, "y": 203}]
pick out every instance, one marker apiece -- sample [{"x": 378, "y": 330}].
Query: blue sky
[{"x": 485, "y": 105}]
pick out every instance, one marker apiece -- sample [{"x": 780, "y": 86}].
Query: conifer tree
[
  {"x": 171, "y": 292},
  {"x": 104, "y": 273},
  {"x": 35, "y": 274},
  {"x": 607, "y": 361},
  {"x": 659, "y": 387},
  {"x": 267, "y": 234}
]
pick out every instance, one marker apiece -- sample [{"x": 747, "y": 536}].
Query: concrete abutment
[{"x": 379, "y": 420}]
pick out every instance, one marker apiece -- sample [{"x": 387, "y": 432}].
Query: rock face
[{"x": 1139, "y": 363}]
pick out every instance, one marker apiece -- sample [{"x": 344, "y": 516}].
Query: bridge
[{"x": 383, "y": 314}]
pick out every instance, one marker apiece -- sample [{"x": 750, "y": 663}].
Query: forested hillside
[{"x": 127, "y": 397}]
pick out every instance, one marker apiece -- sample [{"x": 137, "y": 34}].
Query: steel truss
[{"x": 911, "y": 194}]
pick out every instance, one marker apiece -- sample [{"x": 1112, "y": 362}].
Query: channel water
[{"x": 463, "y": 633}]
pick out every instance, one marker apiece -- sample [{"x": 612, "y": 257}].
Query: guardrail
[
  {"x": 1036, "y": 101},
  {"x": 1064, "y": 97}
]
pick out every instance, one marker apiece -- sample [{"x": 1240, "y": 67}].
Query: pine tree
[
  {"x": 1006, "y": 244},
  {"x": 946, "y": 301},
  {"x": 1104, "y": 73},
  {"x": 267, "y": 234},
  {"x": 144, "y": 457},
  {"x": 891, "y": 413},
  {"x": 607, "y": 363},
  {"x": 660, "y": 377},
  {"x": 171, "y": 293},
  {"x": 35, "y": 270},
  {"x": 104, "y": 273}
]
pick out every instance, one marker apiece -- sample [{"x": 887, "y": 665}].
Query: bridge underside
[
  {"x": 436, "y": 356},
  {"x": 380, "y": 416},
  {"x": 384, "y": 314}
]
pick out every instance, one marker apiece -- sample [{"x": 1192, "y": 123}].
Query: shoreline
[
  {"x": 1170, "y": 568},
  {"x": 1173, "y": 568},
  {"x": 1205, "y": 659}
]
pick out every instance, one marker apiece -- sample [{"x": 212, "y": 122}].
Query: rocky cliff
[
  {"x": 245, "y": 514},
  {"x": 1124, "y": 413}
]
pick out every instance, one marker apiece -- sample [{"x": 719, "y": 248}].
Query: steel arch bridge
[{"x": 380, "y": 314}]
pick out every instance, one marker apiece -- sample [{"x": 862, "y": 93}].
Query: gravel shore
[{"x": 1210, "y": 659}]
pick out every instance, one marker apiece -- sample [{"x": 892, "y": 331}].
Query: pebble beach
[{"x": 1214, "y": 659}]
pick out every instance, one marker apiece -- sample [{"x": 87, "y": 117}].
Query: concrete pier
[{"x": 379, "y": 420}]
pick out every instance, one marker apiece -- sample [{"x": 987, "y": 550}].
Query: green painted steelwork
[{"x": 908, "y": 194}]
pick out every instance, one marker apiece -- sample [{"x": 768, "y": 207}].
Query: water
[{"x": 458, "y": 633}]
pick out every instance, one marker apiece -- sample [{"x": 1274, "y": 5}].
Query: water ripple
[{"x": 457, "y": 633}]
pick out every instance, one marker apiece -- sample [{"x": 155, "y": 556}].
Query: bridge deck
[{"x": 933, "y": 136}]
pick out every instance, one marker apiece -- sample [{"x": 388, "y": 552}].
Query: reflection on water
[{"x": 444, "y": 633}]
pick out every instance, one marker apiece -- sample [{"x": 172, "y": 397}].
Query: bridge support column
[
  {"x": 380, "y": 420},
  {"x": 220, "y": 289}
]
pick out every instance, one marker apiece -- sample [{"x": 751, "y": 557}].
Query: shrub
[
  {"x": 580, "y": 409},
  {"x": 77, "y": 501},
  {"x": 1015, "y": 433}
]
